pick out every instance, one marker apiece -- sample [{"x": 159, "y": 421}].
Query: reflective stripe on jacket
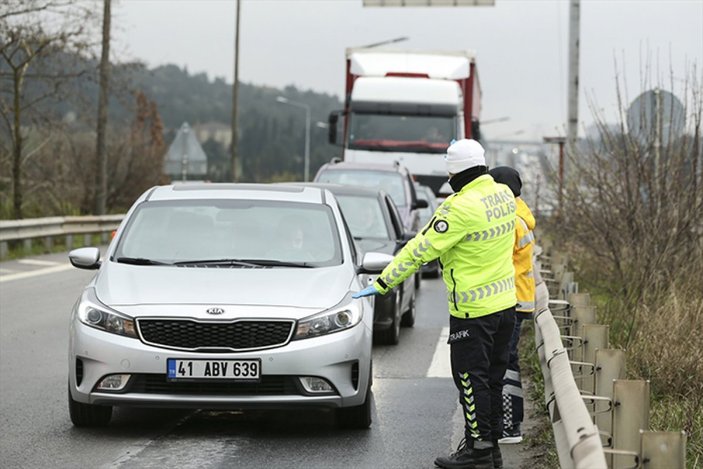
[
  {"x": 472, "y": 233},
  {"x": 522, "y": 258}
]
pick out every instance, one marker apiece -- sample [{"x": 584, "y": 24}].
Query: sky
[{"x": 521, "y": 48}]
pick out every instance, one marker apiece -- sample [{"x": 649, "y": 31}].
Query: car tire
[
  {"x": 88, "y": 415},
  {"x": 436, "y": 272},
  {"x": 391, "y": 335},
  {"x": 433, "y": 272},
  {"x": 357, "y": 417},
  {"x": 409, "y": 315}
]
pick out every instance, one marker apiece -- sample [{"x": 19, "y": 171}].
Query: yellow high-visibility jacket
[
  {"x": 472, "y": 234},
  {"x": 522, "y": 258}
]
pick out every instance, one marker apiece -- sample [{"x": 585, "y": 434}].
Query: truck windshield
[{"x": 393, "y": 132}]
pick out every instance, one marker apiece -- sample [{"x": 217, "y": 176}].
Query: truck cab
[{"x": 406, "y": 108}]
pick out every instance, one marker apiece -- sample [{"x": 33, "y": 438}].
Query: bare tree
[
  {"x": 136, "y": 162},
  {"x": 634, "y": 203},
  {"x": 31, "y": 33}
]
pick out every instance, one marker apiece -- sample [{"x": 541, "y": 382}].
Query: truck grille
[{"x": 239, "y": 335}]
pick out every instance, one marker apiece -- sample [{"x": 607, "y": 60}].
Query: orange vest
[{"x": 522, "y": 258}]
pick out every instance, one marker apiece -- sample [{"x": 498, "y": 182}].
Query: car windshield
[
  {"x": 245, "y": 233},
  {"x": 364, "y": 216},
  {"x": 394, "y": 132},
  {"x": 390, "y": 182}
]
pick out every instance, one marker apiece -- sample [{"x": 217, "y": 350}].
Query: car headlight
[
  {"x": 93, "y": 313},
  {"x": 333, "y": 320}
]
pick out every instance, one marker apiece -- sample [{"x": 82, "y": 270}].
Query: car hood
[{"x": 120, "y": 285}]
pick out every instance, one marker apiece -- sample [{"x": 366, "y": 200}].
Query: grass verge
[{"x": 540, "y": 437}]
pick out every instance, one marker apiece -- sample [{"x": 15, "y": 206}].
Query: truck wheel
[
  {"x": 88, "y": 415},
  {"x": 409, "y": 315}
]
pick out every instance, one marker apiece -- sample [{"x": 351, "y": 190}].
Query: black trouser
[{"x": 479, "y": 354}]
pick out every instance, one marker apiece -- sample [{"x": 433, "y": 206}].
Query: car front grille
[
  {"x": 270, "y": 385},
  {"x": 219, "y": 336}
]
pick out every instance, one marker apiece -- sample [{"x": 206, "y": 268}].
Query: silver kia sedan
[{"x": 225, "y": 296}]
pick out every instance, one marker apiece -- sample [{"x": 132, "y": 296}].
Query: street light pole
[
  {"x": 307, "y": 144},
  {"x": 306, "y": 169},
  {"x": 235, "y": 95}
]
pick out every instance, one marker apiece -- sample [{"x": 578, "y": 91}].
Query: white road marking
[
  {"x": 36, "y": 262},
  {"x": 133, "y": 451},
  {"x": 35, "y": 273},
  {"x": 440, "y": 366}
]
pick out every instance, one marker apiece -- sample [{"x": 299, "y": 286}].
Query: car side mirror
[
  {"x": 374, "y": 262},
  {"x": 333, "y": 128},
  {"x": 85, "y": 258},
  {"x": 420, "y": 203}
]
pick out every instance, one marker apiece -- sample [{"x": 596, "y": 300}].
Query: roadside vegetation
[
  {"x": 540, "y": 438},
  {"x": 632, "y": 224}
]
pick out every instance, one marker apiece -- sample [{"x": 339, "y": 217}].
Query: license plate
[{"x": 244, "y": 370}]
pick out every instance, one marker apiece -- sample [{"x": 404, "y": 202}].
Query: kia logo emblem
[{"x": 214, "y": 311}]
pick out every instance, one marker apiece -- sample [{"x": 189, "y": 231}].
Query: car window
[
  {"x": 411, "y": 185},
  {"x": 364, "y": 216},
  {"x": 353, "y": 248},
  {"x": 395, "y": 219},
  {"x": 181, "y": 231},
  {"x": 390, "y": 182}
]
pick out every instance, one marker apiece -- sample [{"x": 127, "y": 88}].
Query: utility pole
[
  {"x": 573, "y": 89},
  {"x": 235, "y": 93},
  {"x": 101, "y": 146},
  {"x": 560, "y": 175}
]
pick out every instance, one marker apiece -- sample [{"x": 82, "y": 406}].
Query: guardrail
[
  {"x": 49, "y": 229},
  {"x": 599, "y": 418}
]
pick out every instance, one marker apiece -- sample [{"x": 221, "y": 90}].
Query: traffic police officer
[{"x": 472, "y": 233}]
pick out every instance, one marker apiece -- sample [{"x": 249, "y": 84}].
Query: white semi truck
[{"x": 406, "y": 107}]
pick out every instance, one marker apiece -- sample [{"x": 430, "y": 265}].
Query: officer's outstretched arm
[{"x": 445, "y": 229}]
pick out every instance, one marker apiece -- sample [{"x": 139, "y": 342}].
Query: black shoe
[
  {"x": 511, "y": 436},
  {"x": 467, "y": 458}
]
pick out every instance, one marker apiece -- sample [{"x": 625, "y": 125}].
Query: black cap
[{"x": 508, "y": 176}]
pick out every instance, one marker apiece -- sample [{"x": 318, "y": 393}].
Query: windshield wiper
[
  {"x": 277, "y": 263},
  {"x": 139, "y": 261},
  {"x": 238, "y": 262}
]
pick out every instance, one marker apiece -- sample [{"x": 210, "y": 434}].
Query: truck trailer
[{"x": 406, "y": 107}]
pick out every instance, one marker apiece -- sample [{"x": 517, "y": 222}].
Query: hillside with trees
[
  {"x": 146, "y": 107},
  {"x": 271, "y": 134}
]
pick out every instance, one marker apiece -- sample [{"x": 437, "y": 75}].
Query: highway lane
[
  {"x": 36, "y": 429},
  {"x": 415, "y": 417}
]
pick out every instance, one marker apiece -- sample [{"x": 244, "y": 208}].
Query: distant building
[
  {"x": 217, "y": 131},
  {"x": 185, "y": 159}
]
